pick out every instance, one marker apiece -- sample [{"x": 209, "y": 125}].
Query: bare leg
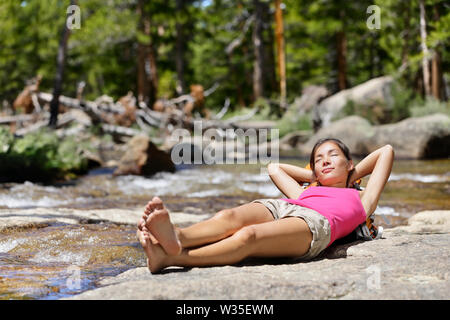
[
  {"x": 160, "y": 228},
  {"x": 288, "y": 237},
  {"x": 225, "y": 223}
]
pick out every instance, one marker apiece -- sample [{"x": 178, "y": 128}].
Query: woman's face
[{"x": 331, "y": 167}]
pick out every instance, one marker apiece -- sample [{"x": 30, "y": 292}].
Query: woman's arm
[
  {"x": 287, "y": 177},
  {"x": 379, "y": 165}
]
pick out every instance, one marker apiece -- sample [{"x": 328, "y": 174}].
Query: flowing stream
[{"x": 61, "y": 260}]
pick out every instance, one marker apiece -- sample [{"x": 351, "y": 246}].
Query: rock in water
[
  {"x": 374, "y": 91},
  {"x": 354, "y": 131},
  {"x": 415, "y": 138},
  {"x": 409, "y": 262},
  {"x": 142, "y": 157}
]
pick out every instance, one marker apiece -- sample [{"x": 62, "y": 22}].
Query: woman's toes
[
  {"x": 141, "y": 238},
  {"x": 141, "y": 223},
  {"x": 157, "y": 203}
]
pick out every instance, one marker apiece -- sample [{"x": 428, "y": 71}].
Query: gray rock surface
[
  {"x": 413, "y": 138},
  {"x": 354, "y": 131},
  {"x": 377, "y": 90},
  {"x": 409, "y": 262},
  {"x": 41, "y": 217},
  {"x": 418, "y": 138},
  {"x": 142, "y": 157}
]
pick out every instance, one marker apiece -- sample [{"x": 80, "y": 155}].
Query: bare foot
[
  {"x": 158, "y": 224},
  {"x": 155, "y": 203},
  {"x": 155, "y": 254},
  {"x": 149, "y": 208}
]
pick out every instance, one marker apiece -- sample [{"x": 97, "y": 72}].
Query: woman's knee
[
  {"x": 228, "y": 215},
  {"x": 246, "y": 235}
]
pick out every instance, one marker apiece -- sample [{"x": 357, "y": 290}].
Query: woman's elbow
[
  {"x": 389, "y": 149},
  {"x": 273, "y": 168}
]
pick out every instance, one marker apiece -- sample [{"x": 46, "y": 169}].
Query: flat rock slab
[
  {"x": 409, "y": 262},
  {"x": 41, "y": 217}
]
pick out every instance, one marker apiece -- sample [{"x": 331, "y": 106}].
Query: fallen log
[
  {"x": 18, "y": 118},
  {"x": 175, "y": 118},
  {"x": 62, "y": 121},
  {"x": 120, "y": 130}
]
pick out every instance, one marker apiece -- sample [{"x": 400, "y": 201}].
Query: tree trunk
[
  {"x": 423, "y": 37},
  {"x": 436, "y": 75},
  {"x": 180, "y": 48},
  {"x": 342, "y": 60},
  {"x": 258, "y": 84},
  {"x": 436, "y": 70},
  {"x": 147, "y": 72},
  {"x": 269, "y": 62},
  {"x": 59, "y": 78},
  {"x": 142, "y": 87},
  {"x": 152, "y": 74},
  {"x": 280, "y": 50},
  {"x": 372, "y": 62},
  {"x": 406, "y": 31}
]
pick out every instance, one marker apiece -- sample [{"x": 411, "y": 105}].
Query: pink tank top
[{"x": 341, "y": 206}]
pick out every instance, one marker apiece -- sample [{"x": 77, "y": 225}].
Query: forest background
[{"x": 157, "y": 49}]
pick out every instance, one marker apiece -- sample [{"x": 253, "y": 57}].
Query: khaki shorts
[{"x": 318, "y": 224}]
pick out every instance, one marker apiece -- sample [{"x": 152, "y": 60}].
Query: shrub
[
  {"x": 430, "y": 106},
  {"x": 402, "y": 98},
  {"x": 395, "y": 109},
  {"x": 291, "y": 122},
  {"x": 40, "y": 156}
]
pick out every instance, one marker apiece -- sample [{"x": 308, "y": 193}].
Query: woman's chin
[{"x": 330, "y": 182}]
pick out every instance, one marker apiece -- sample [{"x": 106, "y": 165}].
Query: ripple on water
[
  {"x": 106, "y": 191},
  {"x": 424, "y": 178},
  {"x": 41, "y": 264}
]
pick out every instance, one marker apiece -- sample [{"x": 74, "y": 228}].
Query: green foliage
[
  {"x": 40, "y": 156},
  {"x": 103, "y": 53},
  {"x": 367, "y": 111},
  {"x": 430, "y": 106},
  {"x": 286, "y": 125},
  {"x": 404, "y": 103},
  {"x": 6, "y": 140},
  {"x": 402, "y": 98},
  {"x": 377, "y": 112},
  {"x": 265, "y": 110},
  {"x": 291, "y": 121},
  {"x": 29, "y": 41}
]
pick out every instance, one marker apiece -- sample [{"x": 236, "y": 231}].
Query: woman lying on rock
[{"x": 271, "y": 227}]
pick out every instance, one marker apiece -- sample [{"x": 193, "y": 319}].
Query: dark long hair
[{"x": 341, "y": 146}]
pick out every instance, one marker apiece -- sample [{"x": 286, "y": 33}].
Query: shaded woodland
[{"x": 251, "y": 50}]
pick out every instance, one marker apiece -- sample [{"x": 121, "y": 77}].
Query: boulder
[
  {"x": 414, "y": 138},
  {"x": 19, "y": 219},
  {"x": 294, "y": 139},
  {"x": 407, "y": 263},
  {"x": 142, "y": 157},
  {"x": 311, "y": 96},
  {"x": 354, "y": 131},
  {"x": 374, "y": 91}
]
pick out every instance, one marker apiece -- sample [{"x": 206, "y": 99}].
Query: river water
[{"x": 62, "y": 260}]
